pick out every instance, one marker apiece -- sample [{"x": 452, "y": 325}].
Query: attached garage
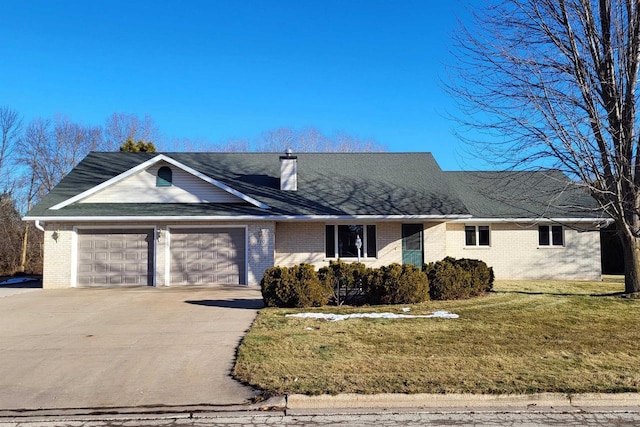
[
  {"x": 206, "y": 256},
  {"x": 115, "y": 257}
]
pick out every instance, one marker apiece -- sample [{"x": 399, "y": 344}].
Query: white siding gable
[{"x": 141, "y": 188}]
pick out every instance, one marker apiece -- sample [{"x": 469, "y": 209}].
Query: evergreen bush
[
  {"x": 396, "y": 284},
  {"x": 346, "y": 280},
  {"x": 458, "y": 279},
  {"x": 297, "y": 286}
]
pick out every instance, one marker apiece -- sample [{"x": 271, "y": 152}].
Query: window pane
[
  {"x": 483, "y": 235},
  {"x": 330, "y": 241},
  {"x": 470, "y": 235},
  {"x": 412, "y": 237},
  {"x": 347, "y": 235},
  {"x": 164, "y": 177},
  {"x": 371, "y": 241},
  {"x": 543, "y": 235},
  {"x": 556, "y": 235}
]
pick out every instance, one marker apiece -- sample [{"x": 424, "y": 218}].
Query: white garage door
[
  {"x": 115, "y": 257},
  {"x": 207, "y": 256}
]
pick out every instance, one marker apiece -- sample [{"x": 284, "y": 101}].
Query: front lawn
[{"x": 526, "y": 337}]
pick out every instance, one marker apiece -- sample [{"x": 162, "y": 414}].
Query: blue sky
[{"x": 232, "y": 69}]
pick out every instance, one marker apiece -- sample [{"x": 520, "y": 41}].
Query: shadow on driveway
[{"x": 252, "y": 304}]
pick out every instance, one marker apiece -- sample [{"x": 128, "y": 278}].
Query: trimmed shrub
[
  {"x": 298, "y": 286},
  {"x": 458, "y": 279},
  {"x": 481, "y": 274},
  {"x": 345, "y": 279},
  {"x": 396, "y": 284}
]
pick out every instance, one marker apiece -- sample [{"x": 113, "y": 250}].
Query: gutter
[
  {"x": 246, "y": 218},
  {"x": 604, "y": 222}
]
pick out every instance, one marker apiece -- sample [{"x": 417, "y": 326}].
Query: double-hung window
[
  {"x": 550, "y": 235},
  {"x": 340, "y": 241},
  {"x": 476, "y": 235}
]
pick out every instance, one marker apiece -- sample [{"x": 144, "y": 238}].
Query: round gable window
[{"x": 164, "y": 177}]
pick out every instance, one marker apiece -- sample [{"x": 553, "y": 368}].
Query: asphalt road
[{"x": 374, "y": 420}]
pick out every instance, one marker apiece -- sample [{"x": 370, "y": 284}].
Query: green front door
[{"x": 412, "y": 244}]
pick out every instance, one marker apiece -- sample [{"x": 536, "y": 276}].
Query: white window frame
[
  {"x": 477, "y": 233},
  {"x": 551, "y": 244},
  {"x": 364, "y": 237}
]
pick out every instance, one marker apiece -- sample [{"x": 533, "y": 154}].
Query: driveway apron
[{"x": 95, "y": 348}]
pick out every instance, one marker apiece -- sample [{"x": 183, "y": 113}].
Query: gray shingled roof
[
  {"x": 534, "y": 194},
  {"x": 336, "y": 184}
]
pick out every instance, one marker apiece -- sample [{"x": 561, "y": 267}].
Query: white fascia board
[
  {"x": 145, "y": 165},
  {"x": 606, "y": 221},
  {"x": 246, "y": 218}
]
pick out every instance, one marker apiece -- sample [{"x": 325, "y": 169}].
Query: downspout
[{"x": 38, "y": 226}]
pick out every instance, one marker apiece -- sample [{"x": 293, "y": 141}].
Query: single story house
[{"x": 173, "y": 219}]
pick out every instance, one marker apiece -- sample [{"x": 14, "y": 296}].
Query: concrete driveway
[{"x": 95, "y": 348}]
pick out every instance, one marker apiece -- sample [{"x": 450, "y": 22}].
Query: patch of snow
[
  {"x": 336, "y": 317},
  {"x": 16, "y": 280}
]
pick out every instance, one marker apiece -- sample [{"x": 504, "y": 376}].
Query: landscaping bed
[{"x": 525, "y": 337}]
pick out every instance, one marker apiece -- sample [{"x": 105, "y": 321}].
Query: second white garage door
[{"x": 207, "y": 256}]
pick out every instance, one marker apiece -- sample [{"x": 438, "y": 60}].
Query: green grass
[{"x": 526, "y": 337}]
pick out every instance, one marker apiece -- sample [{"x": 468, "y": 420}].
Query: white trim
[
  {"x": 74, "y": 257},
  {"x": 477, "y": 233},
  {"x": 249, "y": 218},
  {"x": 167, "y": 256},
  {"x": 75, "y": 252},
  {"x": 210, "y": 227},
  {"x": 154, "y": 283},
  {"x": 148, "y": 163},
  {"x": 38, "y": 225},
  {"x": 551, "y": 245},
  {"x": 336, "y": 244},
  {"x": 604, "y": 221}
]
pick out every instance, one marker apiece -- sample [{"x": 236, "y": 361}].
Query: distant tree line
[{"x": 36, "y": 155}]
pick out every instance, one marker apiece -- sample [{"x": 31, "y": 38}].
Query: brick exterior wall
[
  {"x": 435, "y": 241},
  {"x": 514, "y": 252},
  {"x": 58, "y": 255},
  {"x": 261, "y": 249},
  {"x": 298, "y": 242}
]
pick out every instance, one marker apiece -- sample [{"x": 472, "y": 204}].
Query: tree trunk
[
  {"x": 25, "y": 244},
  {"x": 631, "y": 250}
]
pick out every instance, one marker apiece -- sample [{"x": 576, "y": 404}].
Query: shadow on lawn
[
  {"x": 252, "y": 304},
  {"x": 562, "y": 294}
]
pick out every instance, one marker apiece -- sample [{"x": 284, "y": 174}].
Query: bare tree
[
  {"x": 277, "y": 140},
  {"x": 120, "y": 127},
  {"x": 10, "y": 235},
  {"x": 10, "y": 128},
  {"x": 45, "y": 154},
  {"x": 553, "y": 83},
  {"x": 313, "y": 140}
]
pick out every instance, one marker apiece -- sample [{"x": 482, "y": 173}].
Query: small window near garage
[
  {"x": 476, "y": 235},
  {"x": 550, "y": 235},
  {"x": 164, "y": 177},
  {"x": 340, "y": 241}
]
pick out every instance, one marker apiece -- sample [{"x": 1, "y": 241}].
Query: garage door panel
[
  {"x": 115, "y": 257},
  {"x": 206, "y": 256}
]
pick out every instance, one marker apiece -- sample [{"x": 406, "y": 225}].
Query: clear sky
[{"x": 224, "y": 69}]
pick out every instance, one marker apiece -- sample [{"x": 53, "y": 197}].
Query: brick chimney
[{"x": 289, "y": 171}]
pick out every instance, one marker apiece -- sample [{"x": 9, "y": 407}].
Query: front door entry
[{"x": 412, "y": 250}]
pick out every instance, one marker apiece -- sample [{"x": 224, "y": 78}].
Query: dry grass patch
[{"x": 525, "y": 337}]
